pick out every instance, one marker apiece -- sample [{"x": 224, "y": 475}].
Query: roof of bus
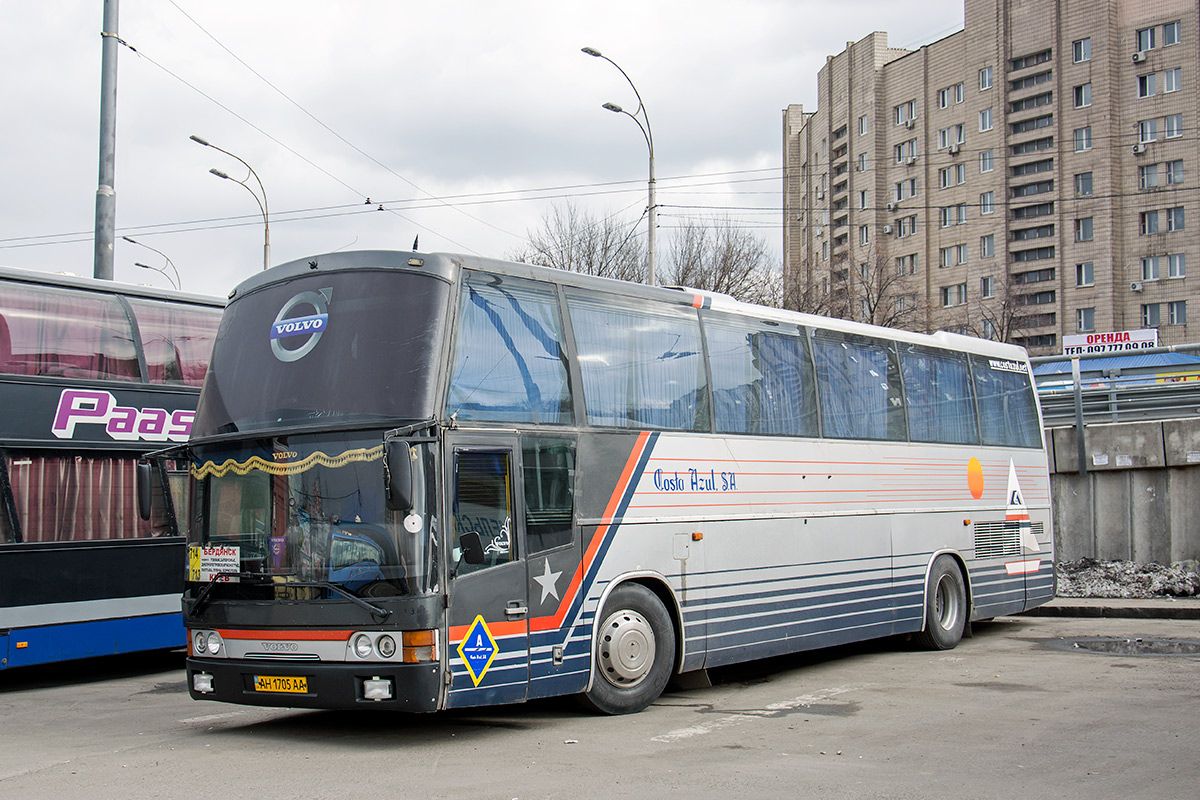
[
  {"x": 71, "y": 281},
  {"x": 447, "y": 265}
]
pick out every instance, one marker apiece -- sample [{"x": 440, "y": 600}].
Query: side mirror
[
  {"x": 472, "y": 548},
  {"x": 145, "y": 488},
  {"x": 398, "y": 475}
]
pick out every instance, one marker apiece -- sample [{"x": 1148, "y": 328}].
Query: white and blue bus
[
  {"x": 92, "y": 375},
  {"x": 426, "y": 481}
]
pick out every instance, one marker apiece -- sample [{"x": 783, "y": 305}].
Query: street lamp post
[
  {"x": 262, "y": 202},
  {"x": 649, "y": 136},
  {"x": 177, "y": 282}
]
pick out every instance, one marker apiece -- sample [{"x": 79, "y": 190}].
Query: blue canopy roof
[{"x": 1131, "y": 361}]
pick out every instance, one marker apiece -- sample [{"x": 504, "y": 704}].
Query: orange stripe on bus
[
  {"x": 301, "y": 636},
  {"x": 497, "y": 629}
]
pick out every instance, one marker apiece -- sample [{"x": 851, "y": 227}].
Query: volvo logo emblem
[{"x": 311, "y": 325}]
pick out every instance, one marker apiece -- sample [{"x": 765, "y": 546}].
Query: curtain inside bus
[
  {"x": 51, "y": 332},
  {"x": 69, "y": 498},
  {"x": 176, "y": 339}
]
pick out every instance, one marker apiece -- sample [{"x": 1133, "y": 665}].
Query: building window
[
  {"x": 1173, "y": 128},
  {"x": 1148, "y": 130},
  {"x": 1082, "y": 50},
  {"x": 1174, "y": 170},
  {"x": 1147, "y": 84},
  {"x": 987, "y": 203},
  {"x": 1026, "y": 103},
  {"x": 1040, "y": 57},
  {"x": 1085, "y": 274},
  {"x": 985, "y": 120},
  {"x": 985, "y": 77},
  {"x": 1171, "y": 80},
  {"x": 987, "y": 287},
  {"x": 1175, "y": 218},
  {"x": 1150, "y": 268},
  {"x": 987, "y": 161},
  {"x": 1033, "y": 146},
  {"x": 1148, "y": 176},
  {"x": 1150, "y": 317},
  {"x": 1083, "y": 229},
  {"x": 905, "y": 112},
  {"x": 1171, "y": 33},
  {"x": 1145, "y": 39},
  {"x": 1083, "y": 184},
  {"x": 954, "y": 295},
  {"x": 1148, "y": 222},
  {"x": 987, "y": 246},
  {"x": 1085, "y": 319},
  {"x": 1177, "y": 312},
  {"x": 955, "y": 134},
  {"x": 943, "y": 98},
  {"x": 862, "y": 162},
  {"x": 1083, "y": 95},
  {"x": 1031, "y": 80},
  {"x": 1083, "y": 139},
  {"x": 862, "y": 200},
  {"x": 864, "y": 234},
  {"x": 862, "y": 125},
  {"x": 946, "y": 257},
  {"x": 1176, "y": 265},
  {"x": 1024, "y": 126}
]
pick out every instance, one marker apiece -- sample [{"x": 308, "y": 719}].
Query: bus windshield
[
  {"x": 326, "y": 349},
  {"x": 305, "y": 509}
]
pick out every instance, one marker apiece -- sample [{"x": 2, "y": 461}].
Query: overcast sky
[{"x": 488, "y": 106}]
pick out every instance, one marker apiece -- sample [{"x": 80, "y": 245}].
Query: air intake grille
[{"x": 1000, "y": 539}]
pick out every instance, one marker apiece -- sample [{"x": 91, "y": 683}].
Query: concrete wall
[{"x": 1140, "y": 497}]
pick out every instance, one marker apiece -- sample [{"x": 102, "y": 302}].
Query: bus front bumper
[{"x": 395, "y": 687}]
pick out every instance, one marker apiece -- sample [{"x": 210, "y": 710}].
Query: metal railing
[{"x": 1097, "y": 394}]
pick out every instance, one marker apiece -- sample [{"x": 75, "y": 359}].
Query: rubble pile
[{"x": 1089, "y": 577}]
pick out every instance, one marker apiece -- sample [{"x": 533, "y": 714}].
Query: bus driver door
[{"x": 488, "y": 645}]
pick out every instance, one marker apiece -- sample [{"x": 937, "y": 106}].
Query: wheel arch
[{"x": 656, "y": 583}]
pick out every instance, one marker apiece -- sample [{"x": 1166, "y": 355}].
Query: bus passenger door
[{"x": 488, "y": 645}]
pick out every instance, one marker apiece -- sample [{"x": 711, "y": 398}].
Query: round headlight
[
  {"x": 214, "y": 643},
  {"x": 201, "y": 644},
  {"x": 386, "y": 646},
  {"x": 362, "y": 646}
]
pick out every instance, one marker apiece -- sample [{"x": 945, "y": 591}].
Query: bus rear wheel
[
  {"x": 945, "y": 606},
  {"x": 635, "y": 651}
]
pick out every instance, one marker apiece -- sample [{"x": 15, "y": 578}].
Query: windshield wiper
[{"x": 206, "y": 592}]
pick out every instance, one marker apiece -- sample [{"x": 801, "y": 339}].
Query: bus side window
[{"x": 549, "y": 474}]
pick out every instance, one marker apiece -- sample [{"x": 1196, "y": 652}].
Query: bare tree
[
  {"x": 719, "y": 257},
  {"x": 873, "y": 290},
  {"x": 574, "y": 240},
  {"x": 1007, "y": 315}
]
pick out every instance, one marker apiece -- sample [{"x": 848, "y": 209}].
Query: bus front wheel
[
  {"x": 945, "y": 606},
  {"x": 635, "y": 651}
]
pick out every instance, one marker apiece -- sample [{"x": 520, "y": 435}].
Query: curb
[{"x": 1159, "y": 610}]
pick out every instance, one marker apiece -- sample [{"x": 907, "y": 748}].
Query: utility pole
[{"x": 106, "y": 195}]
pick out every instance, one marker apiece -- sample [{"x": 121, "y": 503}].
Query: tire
[
  {"x": 945, "y": 606},
  {"x": 635, "y": 651}
]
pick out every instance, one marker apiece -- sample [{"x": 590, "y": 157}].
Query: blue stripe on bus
[{"x": 28, "y": 646}]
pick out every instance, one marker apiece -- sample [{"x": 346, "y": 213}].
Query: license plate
[{"x": 273, "y": 683}]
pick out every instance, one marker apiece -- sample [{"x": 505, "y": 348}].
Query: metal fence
[{"x": 1098, "y": 390}]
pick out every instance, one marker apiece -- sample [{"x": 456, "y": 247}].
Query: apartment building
[{"x": 1030, "y": 177}]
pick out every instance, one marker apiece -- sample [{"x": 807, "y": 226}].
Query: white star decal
[{"x": 548, "y": 580}]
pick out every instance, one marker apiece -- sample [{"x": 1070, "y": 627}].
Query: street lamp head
[
  {"x": 198, "y": 140},
  {"x": 131, "y": 241},
  {"x": 614, "y": 108},
  {"x": 220, "y": 174},
  {"x": 591, "y": 51}
]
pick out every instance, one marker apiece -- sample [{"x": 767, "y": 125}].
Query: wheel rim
[
  {"x": 626, "y": 648},
  {"x": 946, "y": 604}
]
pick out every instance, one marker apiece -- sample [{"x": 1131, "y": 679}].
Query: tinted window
[
  {"x": 509, "y": 363},
  {"x": 1007, "y": 407},
  {"x": 59, "y": 333},
  {"x": 641, "y": 365},
  {"x": 762, "y": 377},
  {"x": 326, "y": 348},
  {"x": 860, "y": 387},
  {"x": 176, "y": 339},
  {"x": 549, "y": 467},
  {"x": 483, "y": 505},
  {"x": 937, "y": 394}
]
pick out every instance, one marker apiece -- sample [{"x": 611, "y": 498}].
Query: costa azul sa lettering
[
  {"x": 694, "y": 480},
  {"x": 311, "y": 325},
  {"x": 123, "y": 423}
]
